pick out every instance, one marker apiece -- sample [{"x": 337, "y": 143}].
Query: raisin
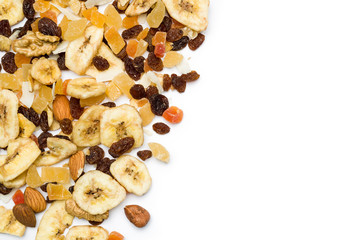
[
  {"x": 153, "y": 31},
  {"x": 35, "y": 139},
  {"x": 180, "y": 44},
  {"x": 151, "y": 90},
  {"x": 95, "y": 223},
  {"x": 44, "y": 186},
  {"x": 109, "y": 104},
  {"x": 154, "y": 62},
  {"x": 174, "y": 34},
  {"x": 75, "y": 108},
  {"x": 137, "y": 91},
  {"x": 71, "y": 189},
  {"x": 24, "y": 111},
  {"x": 8, "y": 62},
  {"x": 28, "y": 9},
  {"x": 161, "y": 128},
  {"x": 66, "y": 126},
  {"x": 159, "y": 103},
  {"x": 115, "y": 4},
  {"x": 34, "y": 117},
  {"x": 139, "y": 64},
  {"x": 122, "y": 54},
  {"x": 165, "y": 25},
  {"x": 5, "y": 28},
  {"x": 100, "y": 63},
  {"x": 166, "y": 82},
  {"x": 63, "y": 137},
  {"x": 130, "y": 69},
  {"x": 148, "y": 39},
  {"x": 104, "y": 165},
  {"x": 4, "y": 190},
  {"x": 196, "y": 42},
  {"x": 48, "y": 200},
  {"x": 178, "y": 83},
  {"x": 191, "y": 76},
  {"x": 144, "y": 154},
  {"x": 26, "y": 27},
  {"x": 96, "y": 154},
  {"x": 61, "y": 61},
  {"x": 42, "y": 139},
  {"x": 122, "y": 146},
  {"x": 48, "y": 27},
  {"x": 44, "y": 123},
  {"x": 132, "y": 32}
]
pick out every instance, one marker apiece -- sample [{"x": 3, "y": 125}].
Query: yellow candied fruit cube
[
  {"x": 115, "y": 40},
  {"x": 112, "y": 17},
  {"x": 92, "y": 101},
  {"x": 112, "y": 91},
  {"x": 57, "y": 192},
  {"x": 97, "y": 19},
  {"x": 33, "y": 178},
  {"x": 75, "y": 29},
  {"x": 124, "y": 83},
  {"x": 55, "y": 174}
]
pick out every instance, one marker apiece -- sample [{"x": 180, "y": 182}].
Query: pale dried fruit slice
[
  {"x": 54, "y": 222},
  {"x": 97, "y": 192},
  {"x": 26, "y": 126},
  {"x": 156, "y": 16},
  {"x": 120, "y": 122},
  {"x": 192, "y": 13},
  {"x": 86, "y": 131},
  {"x": 87, "y": 232},
  {"x": 159, "y": 152},
  {"x": 132, "y": 174},
  {"x": 138, "y": 7},
  {"x": 83, "y": 88},
  {"x": 22, "y": 152},
  {"x": 9, "y": 124},
  {"x": 81, "y": 51},
  {"x": 11, "y": 10},
  {"x": 73, "y": 209},
  {"x": 45, "y": 71},
  {"x": 9, "y": 224},
  {"x": 59, "y": 149},
  {"x": 17, "y": 182}
]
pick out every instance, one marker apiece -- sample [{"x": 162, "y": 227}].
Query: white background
[{"x": 269, "y": 145}]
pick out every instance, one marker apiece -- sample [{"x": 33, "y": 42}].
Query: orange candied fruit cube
[
  {"x": 34, "y": 25},
  {"x": 97, "y": 19},
  {"x": 173, "y": 114},
  {"x": 21, "y": 59},
  {"x": 131, "y": 47},
  {"x": 115, "y": 236},
  {"x": 115, "y": 40},
  {"x": 129, "y": 22},
  {"x": 160, "y": 37},
  {"x": 41, "y": 6},
  {"x": 51, "y": 14},
  {"x": 64, "y": 25},
  {"x": 143, "y": 34},
  {"x": 87, "y": 12}
]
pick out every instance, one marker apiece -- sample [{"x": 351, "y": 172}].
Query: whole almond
[
  {"x": 76, "y": 165},
  {"x": 34, "y": 199},
  {"x": 139, "y": 216},
  {"x": 24, "y": 214},
  {"x": 61, "y": 108}
]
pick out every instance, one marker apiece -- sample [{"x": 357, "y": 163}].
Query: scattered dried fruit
[
  {"x": 144, "y": 154},
  {"x": 173, "y": 114},
  {"x": 96, "y": 154},
  {"x": 161, "y": 128},
  {"x": 122, "y": 146},
  {"x": 159, "y": 152}
]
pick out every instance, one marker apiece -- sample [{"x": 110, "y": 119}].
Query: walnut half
[{"x": 35, "y": 44}]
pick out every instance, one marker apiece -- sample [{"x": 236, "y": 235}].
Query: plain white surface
[{"x": 269, "y": 145}]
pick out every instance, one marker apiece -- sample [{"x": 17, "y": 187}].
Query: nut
[
  {"x": 24, "y": 214},
  {"x": 61, "y": 108},
  {"x": 137, "y": 215},
  {"x": 35, "y": 44},
  {"x": 76, "y": 164},
  {"x": 5, "y": 43},
  {"x": 34, "y": 199},
  {"x": 73, "y": 209}
]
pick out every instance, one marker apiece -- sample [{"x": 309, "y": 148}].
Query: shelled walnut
[{"x": 35, "y": 44}]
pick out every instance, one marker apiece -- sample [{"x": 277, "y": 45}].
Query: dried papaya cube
[
  {"x": 115, "y": 40},
  {"x": 129, "y": 22},
  {"x": 55, "y": 174}
]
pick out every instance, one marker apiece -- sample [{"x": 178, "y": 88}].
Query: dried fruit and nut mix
[{"x": 54, "y": 129}]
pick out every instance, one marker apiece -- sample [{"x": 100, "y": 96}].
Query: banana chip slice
[
  {"x": 11, "y": 10},
  {"x": 9, "y": 122}
]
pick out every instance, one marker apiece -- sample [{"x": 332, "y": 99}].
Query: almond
[
  {"x": 34, "y": 199},
  {"x": 61, "y": 108},
  {"x": 24, "y": 214},
  {"x": 76, "y": 165},
  {"x": 137, "y": 215}
]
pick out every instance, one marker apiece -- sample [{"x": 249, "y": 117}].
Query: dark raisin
[
  {"x": 28, "y": 9},
  {"x": 178, "y": 83},
  {"x": 75, "y": 108},
  {"x": 8, "y": 62},
  {"x": 66, "y": 126},
  {"x": 35, "y": 139},
  {"x": 96, "y": 154},
  {"x": 153, "y": 31},
  {"x": 96, "y": 223},
  {"x": 26, "y": 28},
  {"x": 48, "y": 200},
  {"x": 42, "y": 139},
  {"x": 174, "y": 34},
  {"x": 154, "y": 62},
  {"x": 115, "y": 4},
  {"x": 166, "y": 82},
  {"x": 48, "y": 27},
  {"x": 109, "y": 104},
  {"x": 24, "y": 111},
  {"x": 34, "y": 117},
  {"x": 137, "y": 91},
  {"x": 144, "y": 154},
  {"x": 196, "y": 42},
  {"x": 132, "y": 32},
  {"x": 5, "y": 28},
  {"x": 61, "y": 61},
  {"x": 44, "y": 122},
  {"x": 148, "y": 39},
  {"x": 165, "y": 25},
  {"x": 71, "y": 189},
  {"x": 104, "y": 165},
  {"x": 159, "y": 103},
  {"x": 151, "y": 90},
  {"x": 44, "y": 186},
  {"x": 62, "y": 137},
  {"x": 100, "y": 63},
  {"x": 161, "y": 128},
  {"x": 122, "y": 54},
  {"x": 4, "y": 190},
  {"x": 122, "y": 146},
  {"x": 180, "y": 44},
  {"x": 130, "y": 69},
  {"x": 139, "y": 64},
  {"x": 191, "y": 76}
]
